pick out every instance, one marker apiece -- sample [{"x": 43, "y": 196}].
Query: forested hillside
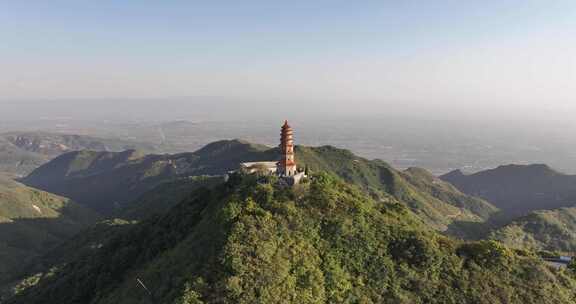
[
  {"x": 553, "y": 230},
  {"x": 106, "y": 181},
  {"x": 162, "y": 198},
  {"x": 438, "y": 203},
  {"x": 33, "y": 222},
  {"x": 251, "y": 241}
]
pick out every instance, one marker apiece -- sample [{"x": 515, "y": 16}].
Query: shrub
[
  {"x": 486, "y": 253},
  {"x": 412, "y": 249},
  {"x": 572, "y": 266}
]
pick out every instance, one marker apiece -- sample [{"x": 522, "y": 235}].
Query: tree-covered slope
[
  {"x": 324, "y": 242},
  {"x": 34, "y": 221},
  {"x": 436, "y": 202},
  {"x": 518, "y": 189},
  {"x": 162, "y": 198},
  {"x": 105, "y": 181},
  {"x": 553, "y": 230}
]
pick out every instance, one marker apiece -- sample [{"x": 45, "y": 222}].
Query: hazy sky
[{"x": 482, "y": 56}]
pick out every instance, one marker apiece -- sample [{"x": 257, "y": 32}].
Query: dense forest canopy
[{"x": 251, "y": 241}]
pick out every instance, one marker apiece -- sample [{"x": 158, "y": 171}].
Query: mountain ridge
[
  {"x": 519, "y": 189},
  {"x": 22, "y": 152},
  {"x": 124, "y": 181},
  {"x": 112, "y": 179}
]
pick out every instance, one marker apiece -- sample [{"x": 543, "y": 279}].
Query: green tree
[
  {"x": 572, "y": 266},
  {"x": 189, "y": 296}
]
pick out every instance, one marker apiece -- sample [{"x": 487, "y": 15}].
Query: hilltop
[
  {"x": 518, "y": 189},
  {"x": 248, "y": 241},
  {"x": 107, "y": 181}
]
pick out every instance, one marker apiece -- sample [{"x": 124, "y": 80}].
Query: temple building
[
  {"x": 286, "y": 167},
  {"x": 263, "y": 167}
]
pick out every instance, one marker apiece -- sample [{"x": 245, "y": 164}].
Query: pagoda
[
  {"x": 287, "y": 164},
  {"x": 285, "y": 168}
]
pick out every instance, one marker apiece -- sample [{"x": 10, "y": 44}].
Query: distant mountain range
[
  {"x": 107, "y": 181},
  {"x": 518, "y": 189},
  {"x": 34, "y": 221},
  {"x": 22, "y": 152}
]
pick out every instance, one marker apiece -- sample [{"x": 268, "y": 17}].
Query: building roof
[{"x": 262, "y": 163}]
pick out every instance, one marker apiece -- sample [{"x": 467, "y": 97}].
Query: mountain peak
[
  {"x": 518, "y": 189},
  {"x": 536, "y": 168},
  {"x": 454, "y": 174},
  {"x": 221, "y": 146}
]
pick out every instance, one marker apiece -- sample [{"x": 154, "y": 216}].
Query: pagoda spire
[{"x": 287, "y": 163}]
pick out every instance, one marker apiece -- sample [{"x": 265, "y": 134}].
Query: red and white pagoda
[
  {"x": 286, "y": 167},
  {"x": 287, "y": 164}
]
